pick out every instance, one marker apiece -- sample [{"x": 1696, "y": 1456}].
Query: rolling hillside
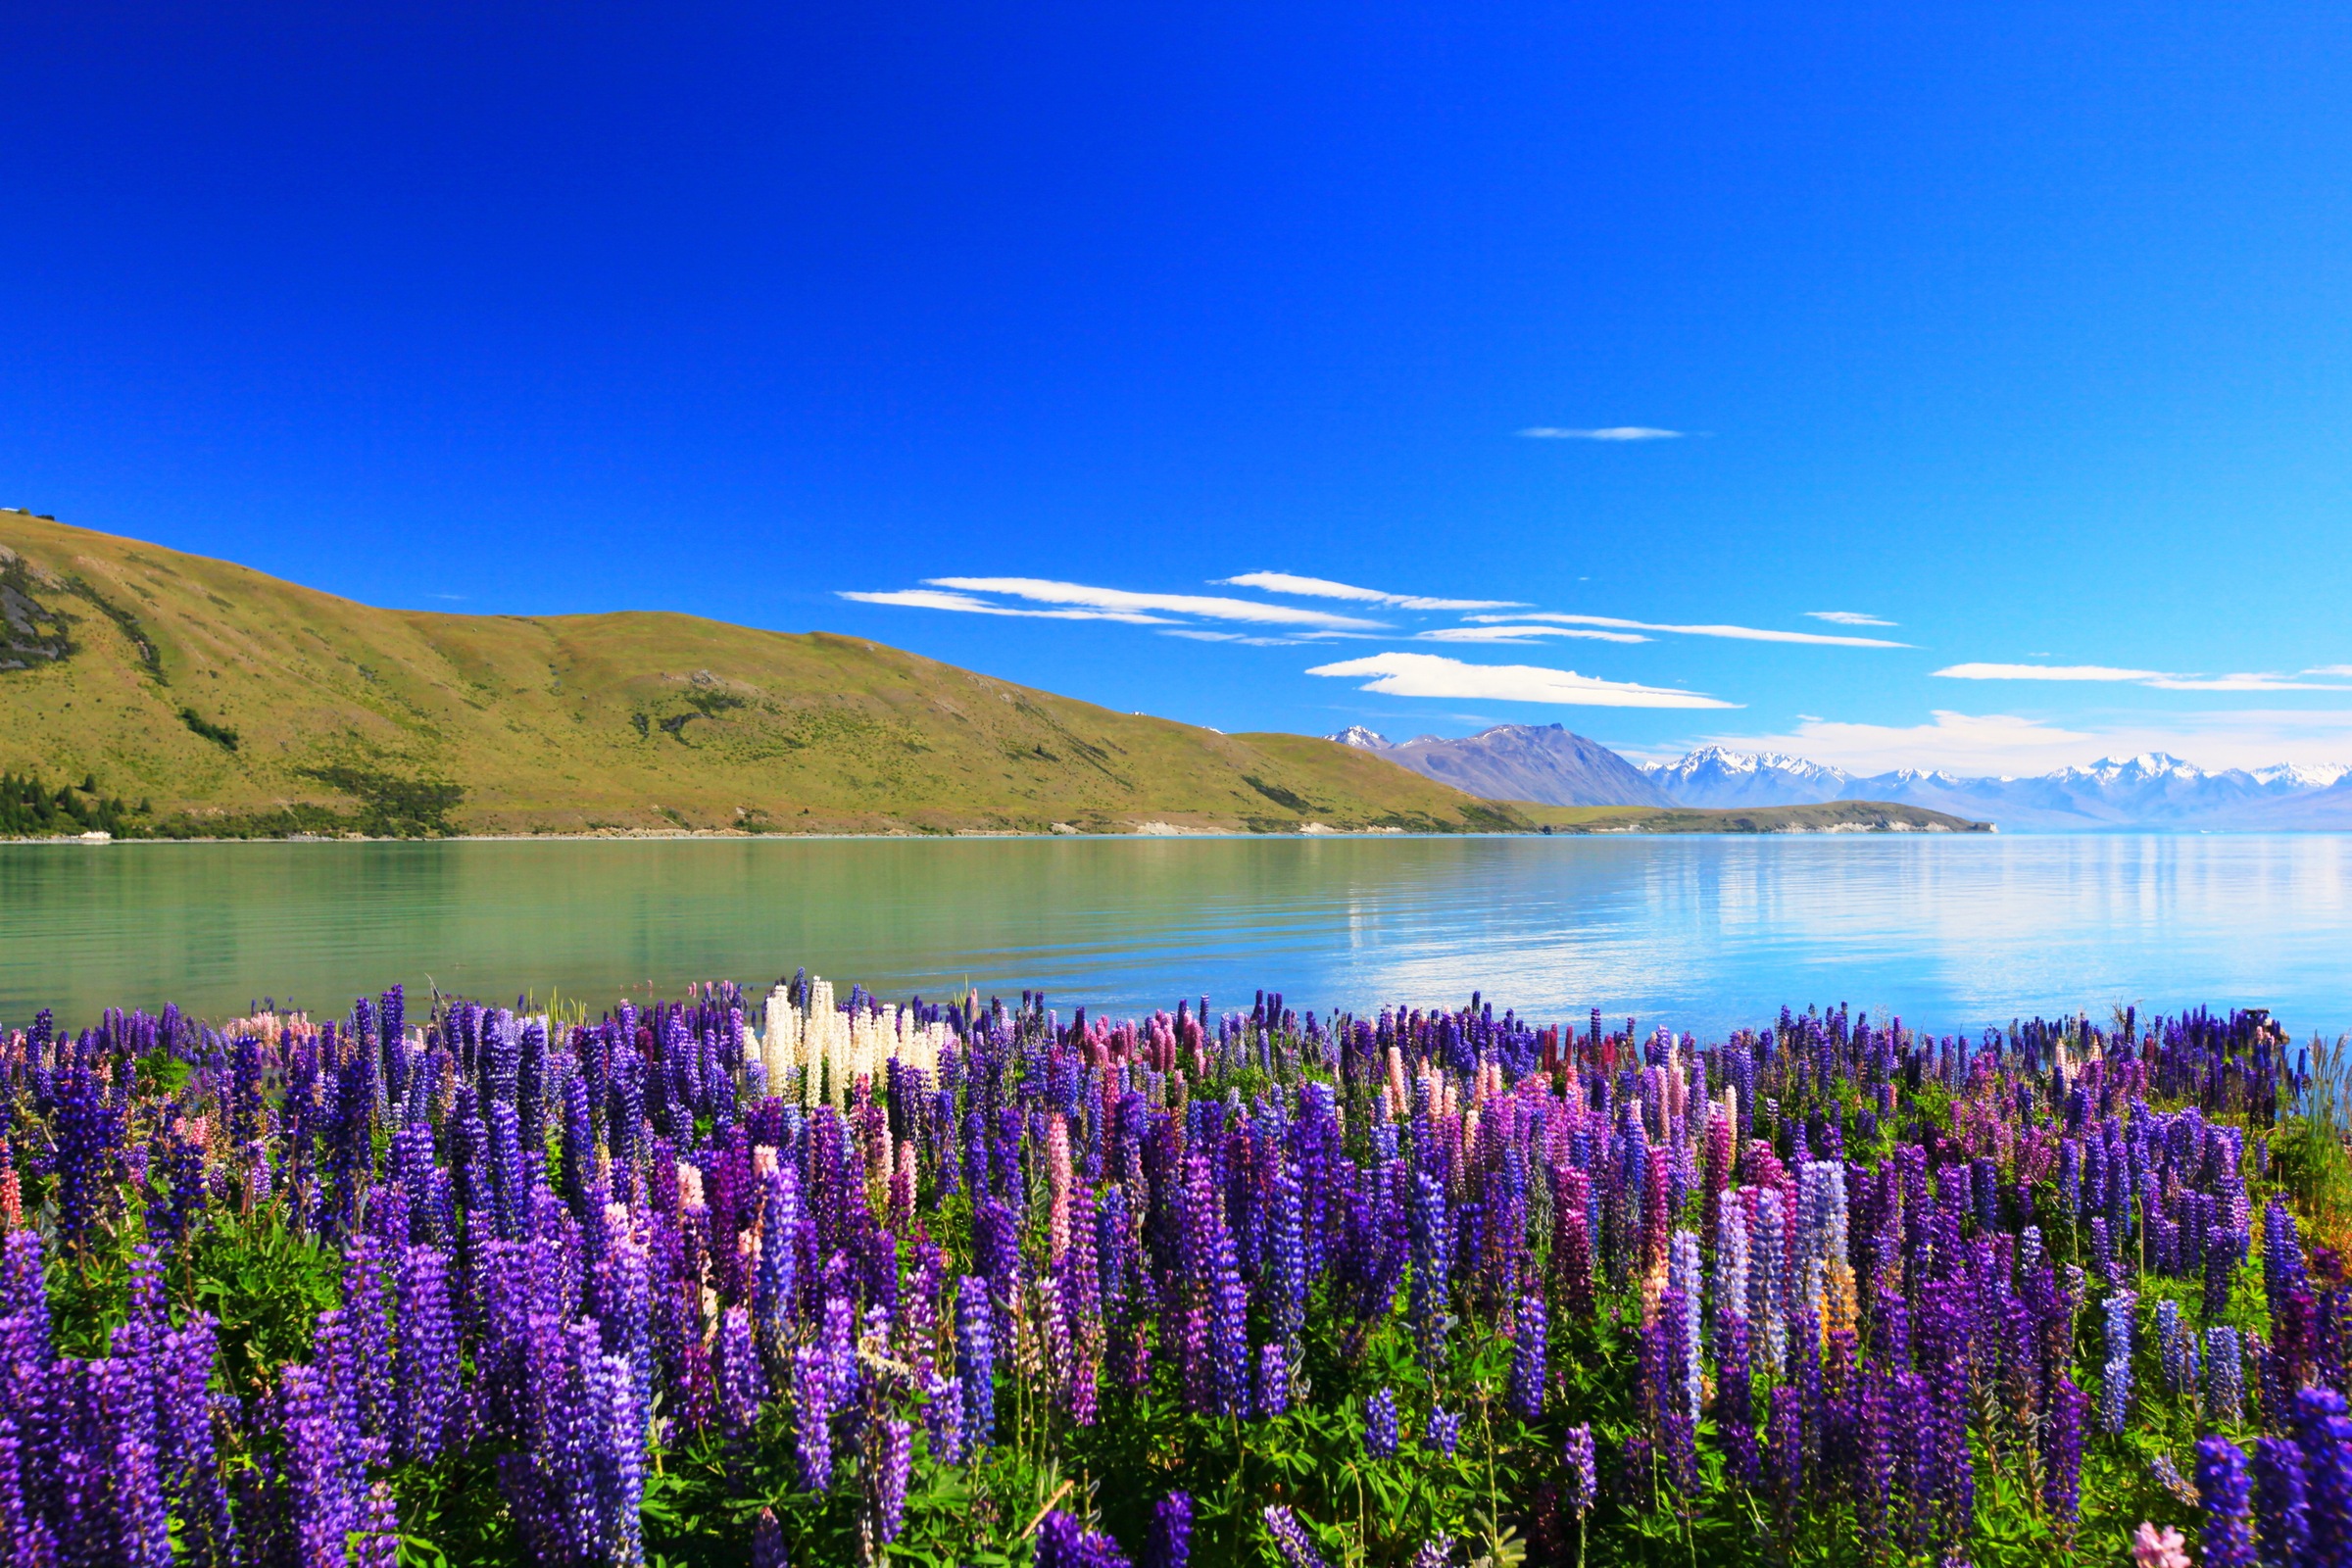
[{"x": 226, "y": 701}]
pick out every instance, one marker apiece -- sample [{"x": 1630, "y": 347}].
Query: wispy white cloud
[
  {"x": 2243, "y": 683},
  {"x": 1202, "y": 635},
  {"x": 1614, "y": 432},
  {"x": 2330, "y": 669},
  {"x": 1523, "y": 634},
  {"x": 2046, "y": 672},
  {"x": 965, "y": 604},
  {"x": 2156, "y": 678},
  {"x": 1204, "y": 607},
  {"x": 1750, "y": 634},
  {"x": 1401, "y": 674},
  {"x": 1847, "y": 617},
  {"x": 1969, "y": 744},
  {"x": 1284, "y": 582}
]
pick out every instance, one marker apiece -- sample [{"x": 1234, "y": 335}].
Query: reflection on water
[{"x": 1702, "y": 933}]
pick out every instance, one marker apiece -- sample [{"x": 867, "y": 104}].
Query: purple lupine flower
[
  {"x": 1430, "y": 1239},
  {"x": 1273, "y": 1379},
  {"x": 1442, "y": 1431},
  {"x": 1064, "y": 1542},
  {"x": 2062, "y": 1452},
  {"x": 2323, "y": 1431},
  {"x": 321, "y": 1510},
  {"x": 943, "y": 1419},
  {"x": 812, "y": 1398},
  {"x": 742, "y": 1378},
  {"x": 768, "y": 1542},
  {"x": 1584, "y": 1470},
  {"x": 1380, "y": 1424},
  {"x": 1435, "y": 1552},
  {"x": 2115, "y": 1385},
  {"x": 776, "y": 1284},
  {"x": 1169, "y": 1541},
  {"x": 976, "y": 1361},
  {"x": 424, "y": 1354},
  {"x": 2225, "y": 1375},
  {"x": 1290, "y": 1539},
  {"x": 1529, "y": 1357},
  {"x": 2222, "y": 1487},
  {"x": 2281, "y": 1510},
  {"x": 895, "y": 1452}
]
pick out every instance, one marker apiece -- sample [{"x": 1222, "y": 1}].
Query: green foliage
[
  {"x": 393, "y": 806},
  {"x": 30, "y": 809},
  {"x": 219, "y": 735}
]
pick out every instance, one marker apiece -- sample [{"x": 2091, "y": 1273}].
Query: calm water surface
[{"x": 1701, "y": 932}]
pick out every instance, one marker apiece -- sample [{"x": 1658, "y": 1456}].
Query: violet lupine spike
[
  {"x": 1290, "y": 1539},
  {"x": 2323, "y": 1431},
  {"x": 1584, "y": 1470},
  {"x": 1529, "y": 1357},
  {"x": 975, "y": 1361},
  {"x": 2282, "y": 1505},
  {"x": 2229, "y": 1534},
  {"x": 1380, "y": 1440},
  {"x": 894, "y": 1454},
  {"x": 1168, "y": 1543}
]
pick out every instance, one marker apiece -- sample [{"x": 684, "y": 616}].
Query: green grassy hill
[
  {"x": 225, "y": 702},
  {"x": 1832, "y": 817}
]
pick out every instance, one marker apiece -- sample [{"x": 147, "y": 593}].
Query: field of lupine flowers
[{"x": 820, "y": 1281}]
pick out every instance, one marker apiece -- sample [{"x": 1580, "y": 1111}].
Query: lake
[{"x": 1701, "y": 932}]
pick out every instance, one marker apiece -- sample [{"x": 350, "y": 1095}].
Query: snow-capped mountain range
[{"x": 2153, "y": 790}]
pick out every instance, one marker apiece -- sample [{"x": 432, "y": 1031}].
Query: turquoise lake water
[{"x": 1701, "y": 932}]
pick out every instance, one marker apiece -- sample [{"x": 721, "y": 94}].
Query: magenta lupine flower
[{"x": 2222, "y": 1486}]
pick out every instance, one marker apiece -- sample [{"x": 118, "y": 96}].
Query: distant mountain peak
[{"x": 1548, "y": 764}]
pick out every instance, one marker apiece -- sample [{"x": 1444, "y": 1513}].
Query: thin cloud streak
[
  {"x": 1614, "y": 432},
  {"x": 1522, "y": 634},
  {"x": 2156, "y": 679},
  {"x": 1241, "y": 639},
  {"x": 1402, "y": 674},
  {"x": 1284, "y": 582},
  {"x": 1749, "y": 634},
  {"x": 2046, "y": 672},
  {"x": 965, "y": 604},
  {"x": 1204, "y": 606},
  {"x": 1847, "y": 617}
]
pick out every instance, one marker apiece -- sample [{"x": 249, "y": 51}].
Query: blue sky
[{"x": 2026, "y": 331}]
